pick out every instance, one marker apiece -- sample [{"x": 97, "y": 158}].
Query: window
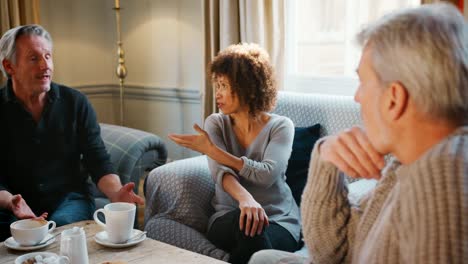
[{"x": 321, "y": 53}]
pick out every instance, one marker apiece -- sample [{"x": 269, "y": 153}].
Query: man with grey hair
[
  {"x": 45, "y": 129},
  {"x": 413, "y": 94}
]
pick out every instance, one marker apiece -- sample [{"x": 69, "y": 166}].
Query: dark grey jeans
[{"x": 225, "y": 234}]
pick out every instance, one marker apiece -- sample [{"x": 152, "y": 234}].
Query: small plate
[
  {"x": 102, "y": 239},
  {"x": 11, "y": 243},
  {"x": 23, "y": 258}
]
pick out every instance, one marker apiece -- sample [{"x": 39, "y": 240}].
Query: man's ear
[
  {"x": 396, "y": 101},
  {"x": 7, "y": 65}
]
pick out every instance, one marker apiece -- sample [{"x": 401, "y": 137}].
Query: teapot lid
[{"x": 73, "y": 231}]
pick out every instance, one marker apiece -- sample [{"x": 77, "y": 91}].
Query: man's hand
[
  {"x": 21, "y": 209},
  {"x": 353, "y": 154},
  {"x": 126, "y": 194},
  {"x": 252, "y": 217}
]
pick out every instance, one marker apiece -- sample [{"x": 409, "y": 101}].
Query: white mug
[
  {"x": 73, "y": 245},
  {"x": 29, "y": 232},
  {"x": 119, "y": 221}
]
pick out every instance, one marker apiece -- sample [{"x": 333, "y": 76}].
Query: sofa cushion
[{"x": 298, "y": 164}]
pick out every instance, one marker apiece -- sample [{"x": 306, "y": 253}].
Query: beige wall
[
  {"x": 163, "y": 46},
  {"x": 83, "y": 40}
]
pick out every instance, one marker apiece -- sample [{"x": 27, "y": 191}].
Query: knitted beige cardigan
[{"x": 417, "y": 213}]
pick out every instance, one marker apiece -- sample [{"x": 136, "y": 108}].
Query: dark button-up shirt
[{"x": 41, "y": 160}]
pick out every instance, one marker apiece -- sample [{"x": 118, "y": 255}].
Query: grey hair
[
  {"x": 426, "y": 50},
  {"x": 8, "y": 42}
]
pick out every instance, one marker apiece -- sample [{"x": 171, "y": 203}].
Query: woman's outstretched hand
[{"x": 200, "y": 142}]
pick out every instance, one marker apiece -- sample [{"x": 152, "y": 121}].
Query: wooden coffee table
[{"x": 148, "y": 251}]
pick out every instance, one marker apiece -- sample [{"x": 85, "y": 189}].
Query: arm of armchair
[
  {"x": 133, "y": 152},
  {"x": 181, "y": 190},
  {"x": 178, "y": 205}
]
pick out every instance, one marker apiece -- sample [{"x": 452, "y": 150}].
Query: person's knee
[
  {"x": 263, "y": 257},
  {"x": 272, "y": 256},
  {"x": 72, "y": 214},
  {"x": 74, "y": 208},
  {"x": 65, "y": 219},
  {"x": 257, "y": 242}
]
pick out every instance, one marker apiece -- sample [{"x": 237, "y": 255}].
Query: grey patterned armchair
[
  {"x": 178, "y": 194},
  {"x": 133, "y": 153}
]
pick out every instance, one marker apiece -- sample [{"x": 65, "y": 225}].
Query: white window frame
[{"x": 339, "y": 85}]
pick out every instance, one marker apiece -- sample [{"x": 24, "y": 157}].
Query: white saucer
[
  {"x": 102, "y": 239},
  {"x": 11, "y": 243}
]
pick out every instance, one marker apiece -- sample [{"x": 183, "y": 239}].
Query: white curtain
[{"x": 234, "y": 21}]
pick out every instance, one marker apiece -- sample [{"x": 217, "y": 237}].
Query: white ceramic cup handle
[
  {"x": 96, "y": 219},
  {"x": 53, "y": 226},
  {"x": 64, "y": 260}
]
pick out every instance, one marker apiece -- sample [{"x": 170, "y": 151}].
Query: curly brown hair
[{"x": 250, "y": 74}]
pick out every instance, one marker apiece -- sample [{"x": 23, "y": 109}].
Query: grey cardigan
[{"x": 263, "y": 173}]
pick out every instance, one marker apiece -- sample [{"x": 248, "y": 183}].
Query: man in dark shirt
[{"x": 47, "y": 131}]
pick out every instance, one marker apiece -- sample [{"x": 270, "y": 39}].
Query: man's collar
[
  {"x": 54, "y": 92},
  {"x": 9, "y": 95}
]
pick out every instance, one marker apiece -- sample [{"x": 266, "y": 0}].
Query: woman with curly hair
[{"x": 248, "y": 151}]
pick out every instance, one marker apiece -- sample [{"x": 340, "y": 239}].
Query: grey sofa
[
  {"x": 133, "y": 153},
  {"x": 178, "y": 194}
]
